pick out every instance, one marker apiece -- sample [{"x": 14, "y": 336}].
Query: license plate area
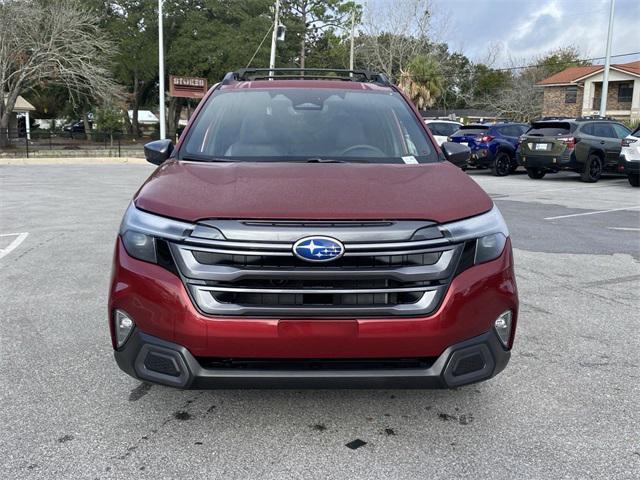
[{"x": 541, "y": 147}]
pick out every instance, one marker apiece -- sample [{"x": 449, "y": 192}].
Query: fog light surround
[
  {"x": 123, "y": 326},
  {"x": 502, "y": 327}
]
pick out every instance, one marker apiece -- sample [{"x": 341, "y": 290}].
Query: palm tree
[{"x": 422, "y": 81}]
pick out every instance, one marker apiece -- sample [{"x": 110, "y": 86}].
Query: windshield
[{"x": 298, "y": 124}]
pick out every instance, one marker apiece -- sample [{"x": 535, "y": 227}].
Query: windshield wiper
[
  {"x": 202, "y": 159},
  {"x": 324, "y": 160}
]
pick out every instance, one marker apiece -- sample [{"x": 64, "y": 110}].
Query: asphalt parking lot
[{"x": 565, "y": 407}]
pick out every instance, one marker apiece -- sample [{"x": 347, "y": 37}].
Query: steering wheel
[{"x": 375, "y": 151}]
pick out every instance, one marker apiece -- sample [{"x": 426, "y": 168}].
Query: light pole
[
  {"x": 163, "y": 132},
  {"x": 607, "y": 63},
  {"x": 274, "y": 39},
  {"x": 353, "y": 26}
]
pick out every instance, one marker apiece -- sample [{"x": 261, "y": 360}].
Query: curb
[{"x": 74, "y": 161}]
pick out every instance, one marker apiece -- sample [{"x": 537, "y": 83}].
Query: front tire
[
  {"x": 592, "y": 169},
  {"x": 536, "y": 173},
  {"x": 501, "y": 165},
  {"x": 634, "y": 179}
]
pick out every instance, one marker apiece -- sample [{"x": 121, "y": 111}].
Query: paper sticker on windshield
[{"x": 410, "y": 160}]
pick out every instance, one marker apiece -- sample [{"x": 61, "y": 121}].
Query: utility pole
[
  {"x": 274, "y": 39},
  {"x": 607, "y": 63},
  {"x": 163, "y": 131},
  {"x": 353, "y": 27}
]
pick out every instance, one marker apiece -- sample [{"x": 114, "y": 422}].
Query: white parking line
[
  {"x": 625, "y": 229},
  {"x": 565, "y": 189},
  {"x": 592, "y": 213},
  {"x": 13, "y": 245},
  {"x": 613, "y": 184}
]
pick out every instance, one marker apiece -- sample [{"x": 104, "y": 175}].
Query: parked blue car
[{"x": 492, "y": 145}]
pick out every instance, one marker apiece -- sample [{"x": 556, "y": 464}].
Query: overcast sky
[{"x": 528, "y": 28}]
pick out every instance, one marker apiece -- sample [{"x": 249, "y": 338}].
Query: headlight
[
  {"x": 489, "y": 247},
  {"x": 140, "y": 230},
  {"x": 489, "y": 229},
  {"x": 139, "y": 245}
]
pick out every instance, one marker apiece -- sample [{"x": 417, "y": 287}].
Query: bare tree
[
  {"x": 397, "y": 31},
  {"x": 521, "y": 100},
  {"x": 51, "y": 42}
]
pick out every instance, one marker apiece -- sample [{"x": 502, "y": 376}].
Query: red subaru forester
[{"x": 307, "y": 231}]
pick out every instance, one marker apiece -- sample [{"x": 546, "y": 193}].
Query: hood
[{"x": 193, "y": 191}]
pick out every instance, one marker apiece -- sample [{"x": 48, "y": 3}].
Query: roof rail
[
  {"x": 246, "y": 74},
  {"x": 559, "y": 117},
  {"x": 594, "y": 117}
]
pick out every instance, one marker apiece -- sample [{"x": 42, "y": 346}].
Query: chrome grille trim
[
  {"x": 384, "y": 253},
  {"x": 207, "y": 302},
  {"x": 192, "y": 269},
  {"x": 313, "y": 290},
  {"x": 198, "y": 248},
  {"x": 371, "y": 247},
  {"x": 259, "y": 248}
]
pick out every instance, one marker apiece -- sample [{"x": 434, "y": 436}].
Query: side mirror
[
  {"x": 456, "y": 153},
  {"x": 158, "y": 151}
]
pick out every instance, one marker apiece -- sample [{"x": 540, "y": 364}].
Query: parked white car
[
  {"x": 630, "y": 157},
  {"x": 441, "y": 129}
]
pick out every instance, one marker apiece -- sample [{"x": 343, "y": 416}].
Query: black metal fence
[{"x": 60, "y": 143}]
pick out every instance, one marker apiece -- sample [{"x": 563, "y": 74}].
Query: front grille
[
  {"x": 316, "y": 299},
  {"x": 261, "y": 276}
]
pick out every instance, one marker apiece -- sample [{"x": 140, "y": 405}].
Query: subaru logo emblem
[{"x": 318, "y": 249}]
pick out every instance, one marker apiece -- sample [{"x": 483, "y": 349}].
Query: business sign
[{"x": 187, "y": 87}]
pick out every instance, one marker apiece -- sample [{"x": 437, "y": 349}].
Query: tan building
[{"x": 576, "y": 91}]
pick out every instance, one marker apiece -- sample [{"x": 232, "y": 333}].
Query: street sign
[{"x": 187, "y": 87}]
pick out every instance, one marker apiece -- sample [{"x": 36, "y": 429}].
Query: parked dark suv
[
  {"x": 306, "y": 231},
  {"x": 587, "y": 145},
  {"x": 492, "y": 145}
]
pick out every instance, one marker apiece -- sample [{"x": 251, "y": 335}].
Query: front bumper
[{"x": 151, "y": 359}]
